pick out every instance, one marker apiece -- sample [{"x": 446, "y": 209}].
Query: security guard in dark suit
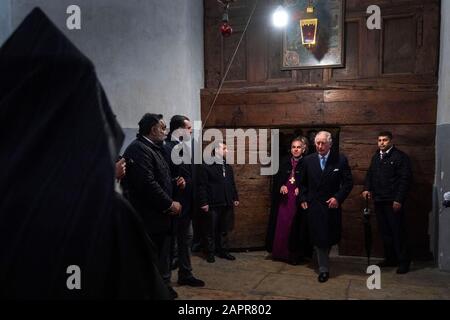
[
  {"x": 387, "y": 183},
  {"x": 217, "y": 197},
  {"x": 182, "y": 176}
]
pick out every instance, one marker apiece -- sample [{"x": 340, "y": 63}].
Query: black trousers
[
  {"x": 216, "y": 225},
  {"x": 393, "y": 232},
  {"x": 197, "y": 230},
  {"x": 162, "y": 242},
  {"x": 183, "y": 238}
]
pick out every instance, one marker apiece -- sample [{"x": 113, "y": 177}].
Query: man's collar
[
  {"x": 149, "y": 140},
  {"x": 153, "y": 143},
  {"x": 326, "y": 156},
  {"x": 386, "y": 152},
  {"x": 219, "y": 160},
  {"x": 174, "y": 139}
]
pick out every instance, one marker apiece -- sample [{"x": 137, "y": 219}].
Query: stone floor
[{"x": 252, "y": 276}]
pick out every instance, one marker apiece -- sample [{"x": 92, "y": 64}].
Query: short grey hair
[
  {"x": 326, "y": 134},
  {"x": 304, "y": 141}
]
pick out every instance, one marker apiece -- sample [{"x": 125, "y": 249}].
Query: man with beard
[{"x": 148, "y": 185}]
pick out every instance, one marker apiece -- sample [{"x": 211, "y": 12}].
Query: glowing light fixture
[{"x": 280, "y": 17}]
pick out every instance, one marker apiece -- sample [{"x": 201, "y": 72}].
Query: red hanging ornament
[{"x": 225, "y": 29}]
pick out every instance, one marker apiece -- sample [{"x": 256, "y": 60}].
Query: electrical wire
[{"x": 229, "y": 66}]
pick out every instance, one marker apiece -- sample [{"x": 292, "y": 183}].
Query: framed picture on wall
[{"x": 314, "y": 35}]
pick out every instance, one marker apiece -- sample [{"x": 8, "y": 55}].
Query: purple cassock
[{"x": 286, "y": 212}]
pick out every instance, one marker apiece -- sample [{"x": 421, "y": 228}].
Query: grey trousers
[
  {"x": 323, "y": 259},
  {"x": 183, "y": 237}
]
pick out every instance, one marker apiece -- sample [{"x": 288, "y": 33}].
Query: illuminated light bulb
[{"x": 280, "y": 17}]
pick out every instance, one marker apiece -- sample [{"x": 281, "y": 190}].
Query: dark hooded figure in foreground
[{"x": 64, "y": 231}]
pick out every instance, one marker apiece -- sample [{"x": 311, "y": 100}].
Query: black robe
[{"x": 58, "y": 207}]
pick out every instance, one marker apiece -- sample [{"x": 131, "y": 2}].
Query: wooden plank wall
[{"x": 389, "y": 82}]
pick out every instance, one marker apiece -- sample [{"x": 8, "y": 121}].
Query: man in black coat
[
  {"x": 148, "y": 185},
  {"x": 325, "y": 183},
  {"x": 182, "y": 175},
  {"x": 217, "y": 195},
  {"x": 387, "y": 183}
]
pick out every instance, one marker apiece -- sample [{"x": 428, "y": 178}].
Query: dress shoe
[
  {"x": 172, "y": 293},
  {"x": 403, "y": 268},
  {"x": 174, "y": 264},
  {"x": 323, "y": 277},
  {"x": 210, "y": 258},
  {"x": 196, "y": 247},
  {"x": 191, "y": 281},
  {"x": 226, "y": 255},
  {"x": 387, "y": 264}
]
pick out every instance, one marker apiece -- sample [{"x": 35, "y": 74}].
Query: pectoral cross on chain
[{"x": 292, "y": 180}]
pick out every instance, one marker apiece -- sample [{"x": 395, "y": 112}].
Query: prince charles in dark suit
[{"x": 326, "y": 182}]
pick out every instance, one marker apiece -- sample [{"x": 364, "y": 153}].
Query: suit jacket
[
  {"x": 317, "y": 187},
  {"x": 214, "y": 189},
  {"x": 185, "y": 170},
  {"x": 389, "y": 179},
  {"x": 148, "y": 184}
]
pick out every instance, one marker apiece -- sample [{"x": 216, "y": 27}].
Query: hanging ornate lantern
[{"x": 308, "y": 27}]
